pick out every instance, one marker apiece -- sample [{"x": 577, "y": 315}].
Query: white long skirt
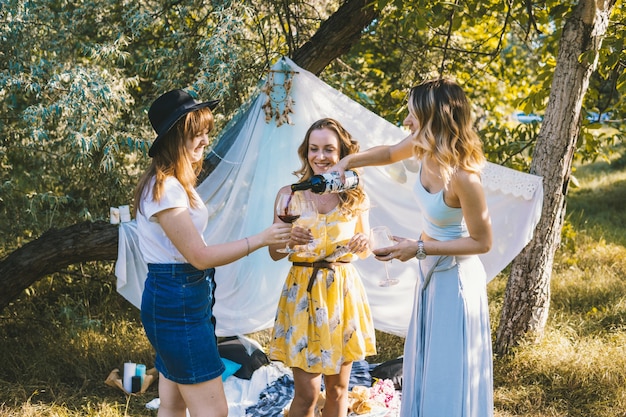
[{"x": 448, "y": 368}]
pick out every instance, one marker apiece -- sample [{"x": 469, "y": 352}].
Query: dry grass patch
[{"x": 570, "y": 375}]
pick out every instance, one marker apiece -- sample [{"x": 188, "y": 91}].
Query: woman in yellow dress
[{"x": 323, "y": 320}]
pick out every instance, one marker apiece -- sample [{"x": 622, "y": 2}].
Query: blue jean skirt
[{"x": 176, "y": 312}]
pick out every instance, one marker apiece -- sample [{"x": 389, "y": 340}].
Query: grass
[
  {"x": 579, "y": 367},
  {"x": 62, "y": 337}
]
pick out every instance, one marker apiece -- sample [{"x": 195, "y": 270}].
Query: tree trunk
[
  {"x": 527, "y": 297},
  {"x": 53, "y": 251},
  {"x": 336, "y": 35},
  {"x": 98, "y": 241}
]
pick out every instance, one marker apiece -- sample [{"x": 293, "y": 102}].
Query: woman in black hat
[{"x": 179, "y": 289}]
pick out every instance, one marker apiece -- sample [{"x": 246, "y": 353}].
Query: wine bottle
[{"x": 329, "y": 182}]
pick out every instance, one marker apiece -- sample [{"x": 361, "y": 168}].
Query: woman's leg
[
  {"x": 307, "y": 389},
  {"x": 337, "y": 392},
  {"x": 171, "y": 402},
  {"x": 205, "y": 399}
]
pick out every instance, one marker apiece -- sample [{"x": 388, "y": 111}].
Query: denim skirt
[{"x": 176, "y": 312}]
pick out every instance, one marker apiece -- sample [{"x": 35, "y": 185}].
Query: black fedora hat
[{"x": 168, "y": 109}]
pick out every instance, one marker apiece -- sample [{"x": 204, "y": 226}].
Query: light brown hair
[
  {"x": 350, "y": 201},
  {"x": 172, "y": 158},
  {"x": 446, "y": 131}
]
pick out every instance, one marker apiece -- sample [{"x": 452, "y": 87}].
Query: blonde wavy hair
[
  {"x": 172, "y": 159},
  {"x": 445, "y": 132},
  {"x": 352, "y": 201}
]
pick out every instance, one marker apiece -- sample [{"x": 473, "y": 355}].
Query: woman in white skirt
[{"x": 448, "y": 367}]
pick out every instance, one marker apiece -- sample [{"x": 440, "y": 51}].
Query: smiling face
[
  {"x": 323, "y": 151},
  {"x": 411, "y": 121},
  {"x": 195, "y": 145},
  {"x": 192, "y": 134},
  {"x": 325, "y": 143}
]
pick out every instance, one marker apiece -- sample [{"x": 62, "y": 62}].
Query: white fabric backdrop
[{"x": 240, "y": 194}]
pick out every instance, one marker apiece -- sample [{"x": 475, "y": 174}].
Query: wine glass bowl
[
  {"x": 381, "y": 237},
  {"x": 288, "y": 210},
  {"x": 308, "y": 214},
  {"x": 307, "y": 220}
]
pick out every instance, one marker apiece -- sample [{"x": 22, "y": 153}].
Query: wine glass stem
[
  {"x": 287, "y": 248},
  {"x": 387, "y": 271}
]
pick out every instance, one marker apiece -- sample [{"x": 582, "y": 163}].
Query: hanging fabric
[{"x": 261, "y": 157}]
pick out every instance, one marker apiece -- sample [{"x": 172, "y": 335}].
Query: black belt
[{"x": 316, "y": 267}]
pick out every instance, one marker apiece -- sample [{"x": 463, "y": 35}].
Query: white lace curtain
[{"x": 240, "y": 195}]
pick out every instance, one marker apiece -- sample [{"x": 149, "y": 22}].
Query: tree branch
[
  {"x": 53, "y": 251},
  {"x": 335, "y": 37}
]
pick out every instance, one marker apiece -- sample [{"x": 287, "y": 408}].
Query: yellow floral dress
[{"x": 323, "y": 321}]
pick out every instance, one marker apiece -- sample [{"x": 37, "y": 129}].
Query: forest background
[{"x": 76, "y": 81}]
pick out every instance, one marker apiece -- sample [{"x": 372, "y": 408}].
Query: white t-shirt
[{"x": 155, "y": 246}]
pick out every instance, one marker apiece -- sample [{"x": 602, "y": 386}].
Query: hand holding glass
[
  {"x": 288, "y": 210},
  {"x": 381, "y": 237}
]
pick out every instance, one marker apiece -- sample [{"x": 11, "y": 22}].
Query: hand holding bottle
[
  {"x": 341, "y": 168},
  {"x": 329, "y": 182}
]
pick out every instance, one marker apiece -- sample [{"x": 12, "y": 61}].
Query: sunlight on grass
[
  {"x": 596, "y": 208},
  {"x": 39, "y": 410},
  {"x": 578, "y": 369},
  {"x": 571, "y": 375}
]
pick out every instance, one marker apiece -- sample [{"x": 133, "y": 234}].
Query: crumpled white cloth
[{"x": 244, "y": 393}]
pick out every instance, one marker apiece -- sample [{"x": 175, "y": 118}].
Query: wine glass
[
  {"x": 381, "y": 237},
  {"x": 288, "y": 210},
  {"x": 308, "y": 219}
]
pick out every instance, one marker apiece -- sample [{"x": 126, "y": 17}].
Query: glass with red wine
[{"x": 288, "y": 209}]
